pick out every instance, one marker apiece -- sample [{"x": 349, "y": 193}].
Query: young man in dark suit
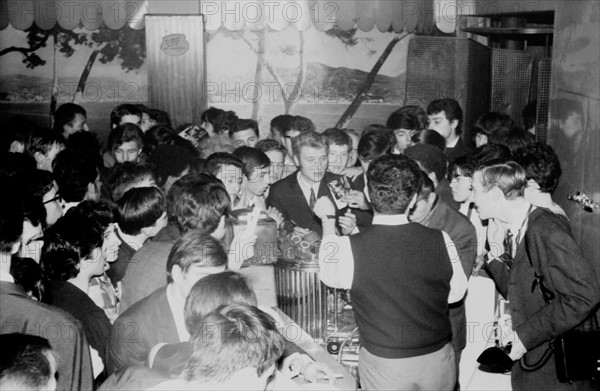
[
  {"x": 446, "y": 117},
  {"x": 540, "y": 256},
  {"x": 294, "y": 196}
]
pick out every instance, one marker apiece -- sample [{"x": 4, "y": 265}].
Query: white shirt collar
[
  {"x": 305, "y": 187},
  {"x": 453, "y": 143},
  {"x": 390, "y": 219},
  {"x": 177, "y": 309},
  {"x": 518, "y": 224},
  {"x": 6, "y": 277}
]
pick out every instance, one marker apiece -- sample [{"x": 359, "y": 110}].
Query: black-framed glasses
[{"x": 57, "y": 197}]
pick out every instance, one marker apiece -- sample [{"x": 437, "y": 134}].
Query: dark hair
[
  {"x": 65, "y": 115},
  {"x": 427, "y": 187},
  {"x": 490, "y": 152},
  {"x": 201, "y": 205},
  {"x": 11, "y": 217},
  {"x": 513, "y": 138},
  {"x": 174, "y": 193},
  {"x": 268, "y": 145},
  {"x": 127, "y": 175},
  {"x": 337, "y": 136},
  {"x": 198, "y": 249},
  {"x": 431, "y": 137},
  {"x": 252, "y": 159},
  {"x": 490, "y": 123},
  {"x": 72, "y": 239},
  {"x": 170, "y": 161},
  {"x": 213, "y": 291},
  {"x": 230, "y": 339},
  {"x": 98, "y": 212},
  {"x": 156, "y": 135},
  {"x": 28, "y": 275},
  {"x": 393, "y": 180},
  {"x": 243, "y": 124},
  {"x": 86, "y": 142},
  {"x": 125, "y": 133},
  {"x": 280, "y": 123},
  {"x": 33, "y": 208},
  {"x": 541, "y": 164},
  {"x": 17, "y": 128},
  {"x": 24, "y": 361},
  {"x": 465, "y": 164},
  {"x": 73, "y": 171},
  {"x": 216, "y": 161},
  {"x": 140, "y": 208},
  {"x": 221, "y": 120},
  {"x": 121, "y": 111},
  {"x": 451, "y": 108},
  {"x": 376, "y": 141},
  {"x": 35, "y": 182},
  {"x": 431, "y": 159},
  {"x": 43, "y": 141},
  {"x": 299, "y": 124},
  {"x": 159, "y": 116},
  {"x": 407, "y": 117},
  {"x": 12, "y": 163},
  {"x": 529, "y": 114}
]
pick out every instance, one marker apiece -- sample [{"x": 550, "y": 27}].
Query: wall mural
[{"x": 258, "y": 74}]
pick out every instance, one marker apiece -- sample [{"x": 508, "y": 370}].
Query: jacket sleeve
[
  {"x": 557, "y": 257},
  {"x": 125, "y": 345}
]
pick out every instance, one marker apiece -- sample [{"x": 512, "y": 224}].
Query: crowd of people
[{"x": 119, "y": 263}]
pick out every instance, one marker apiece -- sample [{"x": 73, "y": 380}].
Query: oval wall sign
[{"x": 174, "y": 45}]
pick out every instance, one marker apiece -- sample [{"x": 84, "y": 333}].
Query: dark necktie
[
  {"x": 313, "y": 199},
  {"x": 508, "y": 249}
]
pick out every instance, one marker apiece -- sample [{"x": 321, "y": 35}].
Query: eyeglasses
[{"x": 57, "y": 197}]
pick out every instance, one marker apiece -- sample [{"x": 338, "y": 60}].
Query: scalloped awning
[{"x": 398, "y": 15}]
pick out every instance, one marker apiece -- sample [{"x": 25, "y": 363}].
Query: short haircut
[
  {"x": 230, "y": 339},
  {"x": 65, "y": 115},
  {"x": 213, "y": 291},
  {"x": 72, "y": 239},
  {"x": 121, "y": 111},
  {"x": 408, "y": 117},
  {"x": 489, "y": 123},
  {"x": 222, "y": 121},
  {"x": 159, "y": 116},
  {"x": 244, "y": 124},
  {"x": 128, "y": 175},
  {"x": 140, "y": 208},
  {"x": 198, "y": 249},
  {"x": 376, "y": 141},
  {"x": 156, "y": 135},
  {"x": 252, "y": 159},
  {"x": 541, "y": 164},
  {"x": 337, "y": 136},
  {"x": 33, "y": 209},
  {"x": 426, "y": 187},
  {"x": 201, "y": 205},
  {"x": 11, "y": 217},
  {"x": 170, "y": 161},
  {"x": 28, "y": 275},
  {"x": 431, "y": 137},
  {"x": 124, "y": 134},
  {"x": 98, "y": 212},
  {"x": 310, "y": 139},
  {"x": 86, "y": 142},
  {"x": 513, "y": 137},
  {"x": 393, "y": 180},
  {"x": 280, "y": 122},
  {"x": 299, "y": 124},
  {"x": 463, "y": 165},
  {"x": 268, "y": 145},
  {"x": 43, "y": 141},
  {"x": 451, "y": 108},
  {"x": 24, "y": 361},
  {"x": 431, "y": 159},
  {"x": 509, "y": 177},
  {"x": 490, "y": 153},
  {"x": 73, "y": 171},
  {"x": 215, "y": 162}
]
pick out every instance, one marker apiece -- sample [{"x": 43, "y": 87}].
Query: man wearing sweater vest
[{"x": 402, "y": 276}]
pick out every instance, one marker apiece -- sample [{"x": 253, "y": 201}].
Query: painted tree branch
[
  {"x": 25, "y": 51},
  {"x": 366, "y": 85}
]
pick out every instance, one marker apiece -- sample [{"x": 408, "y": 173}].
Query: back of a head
[
  {"x": 308, "y": 139},
  {"x": 222, "y": 121},
  {"x": 86, "y": 142},
  {"x": 408, "y": 117},
  {"x": 512, "y": 137},
  {"x": 170, "y": 161},
  {"x": 213, "y": 291},
  {"x": 431, "y": 159},
  {"x": 156, "y": 135},
  {"x": 140, "y": 208},
  {"x": 490, "y": 152},
  {"x": 160, "y": 117},
  {"x": 299, "y": 124},
  {"x": 216, "y": 162},
  {"x": 375, "y": 141},
  {"x": 231, "y": 339},
  {"x": 26, "y": 363},
  {"x": 198, "y": 249},
  {"x": 201, "y": 205},
  {"x": 392, "y": 181},
  {"x": 451, "y": 108},
  {"x": 280, "y": 122},
  {"x": 244, "y": 124},
  {"x": 490, "y": 123},
  {"x": 541, "y": 164},
  {"x": 268, "y": 145},
  {"x": 28, "y": 274},
  {"x": 74, "y": 171},
  {"x": 431, "y": 137},
  {"x": 128, "y": 175}
]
